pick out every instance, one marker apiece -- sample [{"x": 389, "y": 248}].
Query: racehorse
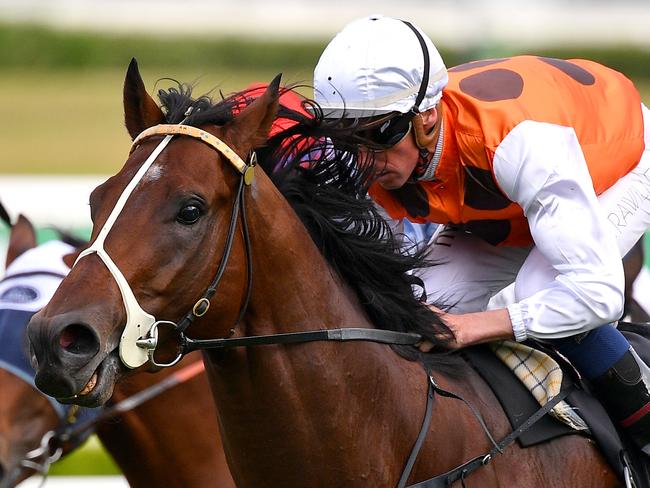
[
  {"x": 166, "y": 442},
  {"x": 292, "y": 415}
]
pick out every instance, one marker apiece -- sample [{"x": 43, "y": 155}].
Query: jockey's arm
[{"x": 542, "y": 168}]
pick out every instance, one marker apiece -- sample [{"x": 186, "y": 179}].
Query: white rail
[
  {"x": 76, "y": 482},
  {"x": 49, "y": 199}
]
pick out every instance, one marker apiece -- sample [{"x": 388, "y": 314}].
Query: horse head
[
  {"x": 159, "y": 235},
  {"x": 25, "y": 414}
]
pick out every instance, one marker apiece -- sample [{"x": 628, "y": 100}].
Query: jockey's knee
[{"x": 593, "y": 352}]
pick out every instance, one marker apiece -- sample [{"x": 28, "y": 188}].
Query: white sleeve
[{"x": 541, "y": 167}]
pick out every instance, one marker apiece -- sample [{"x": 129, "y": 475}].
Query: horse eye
[{"x": 189, "y": 214}]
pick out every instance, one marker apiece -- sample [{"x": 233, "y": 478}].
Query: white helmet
[{"x": 374, "y": 66}]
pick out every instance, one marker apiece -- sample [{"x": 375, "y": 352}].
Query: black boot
[{"x": 624, "y": 390}]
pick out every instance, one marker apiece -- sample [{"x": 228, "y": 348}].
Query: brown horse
[
  {"x": 314, "y": 414},
  {"x": 166, "y": 442}
]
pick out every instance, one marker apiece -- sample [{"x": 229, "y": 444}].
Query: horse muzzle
[{"x": 64, "y": 353}]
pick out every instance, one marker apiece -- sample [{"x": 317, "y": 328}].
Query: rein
[
  {"x": 55, "y": 442},
  {"x": 383, "y": 337}
]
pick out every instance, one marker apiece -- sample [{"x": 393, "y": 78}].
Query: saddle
[{"x": 519, "y": 404}]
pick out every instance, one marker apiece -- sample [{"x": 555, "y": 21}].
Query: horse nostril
[
  {"x": 2, "y": 474},
  {"x": 79, "y": 339}
]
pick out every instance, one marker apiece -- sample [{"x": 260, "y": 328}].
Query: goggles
[{"x": 388, "y": 133}]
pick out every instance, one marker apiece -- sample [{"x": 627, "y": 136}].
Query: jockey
[{"x": 537, "y": 169}]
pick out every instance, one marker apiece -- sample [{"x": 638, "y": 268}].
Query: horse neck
[
  {"x": 171, "y": 440},
  {"x": 276, "y": 403},
  {"x": 294, "y": 288}
]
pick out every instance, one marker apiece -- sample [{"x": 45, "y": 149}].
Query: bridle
[
  {"x": 201, "y": 306},
  {"x": 140, "y": 335}
]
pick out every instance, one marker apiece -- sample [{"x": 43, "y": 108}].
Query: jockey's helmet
[{"x": 375, "y": 66}]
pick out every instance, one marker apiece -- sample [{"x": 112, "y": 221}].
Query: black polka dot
[
  {"x": 493, "y": 85},
  {"x": 491, "y": 231},
  {"x": 476, "y": 64},
  {"x": 481, "y": 191},
  {"x": 576, "y": 72},
  {"x": 414, "y": 200}
]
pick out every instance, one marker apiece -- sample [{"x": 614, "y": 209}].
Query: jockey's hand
[
  {"x": 471, "y": 328},
  {"x": 443, "y": 341}
]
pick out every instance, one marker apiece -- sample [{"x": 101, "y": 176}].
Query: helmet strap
[{"x": 424, "y": 84}]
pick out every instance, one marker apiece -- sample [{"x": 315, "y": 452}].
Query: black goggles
[{"x": 390, "y": 132}]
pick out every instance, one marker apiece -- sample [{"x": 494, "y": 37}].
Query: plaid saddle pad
[{"x": 541, "y": 375}]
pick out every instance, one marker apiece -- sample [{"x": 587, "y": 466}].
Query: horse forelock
[{"x": 176, "y": 101}]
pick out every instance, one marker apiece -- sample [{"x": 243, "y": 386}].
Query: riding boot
[{"x": 624, "y": 390}]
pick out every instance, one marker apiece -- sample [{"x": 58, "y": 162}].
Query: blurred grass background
[
  {"x": 90, "y": 459},
  {"x": 61, "y": 91},
  {"x": 61, "y": 101}
]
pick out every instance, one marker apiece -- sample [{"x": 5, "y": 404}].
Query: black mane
[{"x": 328, "y": 191}]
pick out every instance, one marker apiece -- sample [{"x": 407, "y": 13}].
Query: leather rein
[{"x": 60, "y": 441}]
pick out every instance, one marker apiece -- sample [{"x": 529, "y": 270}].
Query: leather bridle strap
[
  {"x": 187, "y": 345},
  {"x": 138, "y": 321},
  {"x": 337, "y": 335},
  {"x": 461, "y": 472},
  {"x": 247, "y": 170},
  {"x": 203, "y": 304}
]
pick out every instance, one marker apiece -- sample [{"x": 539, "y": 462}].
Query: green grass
[
  {"x": 70, "y": 122},
  {"x": 46, "y": 48},
  {"x": 61, "y": 91},
  {"x": 91, "y": 459}
]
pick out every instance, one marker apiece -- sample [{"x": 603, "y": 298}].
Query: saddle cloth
[{"x": 541, "y": 375}]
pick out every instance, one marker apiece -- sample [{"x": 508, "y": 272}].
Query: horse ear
[
  {"x": 22, "y": 238},
  {"x": 250, "y": 129},
  {"x": 69, "y": 259},
  {"x": 140, "y": 110}
]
